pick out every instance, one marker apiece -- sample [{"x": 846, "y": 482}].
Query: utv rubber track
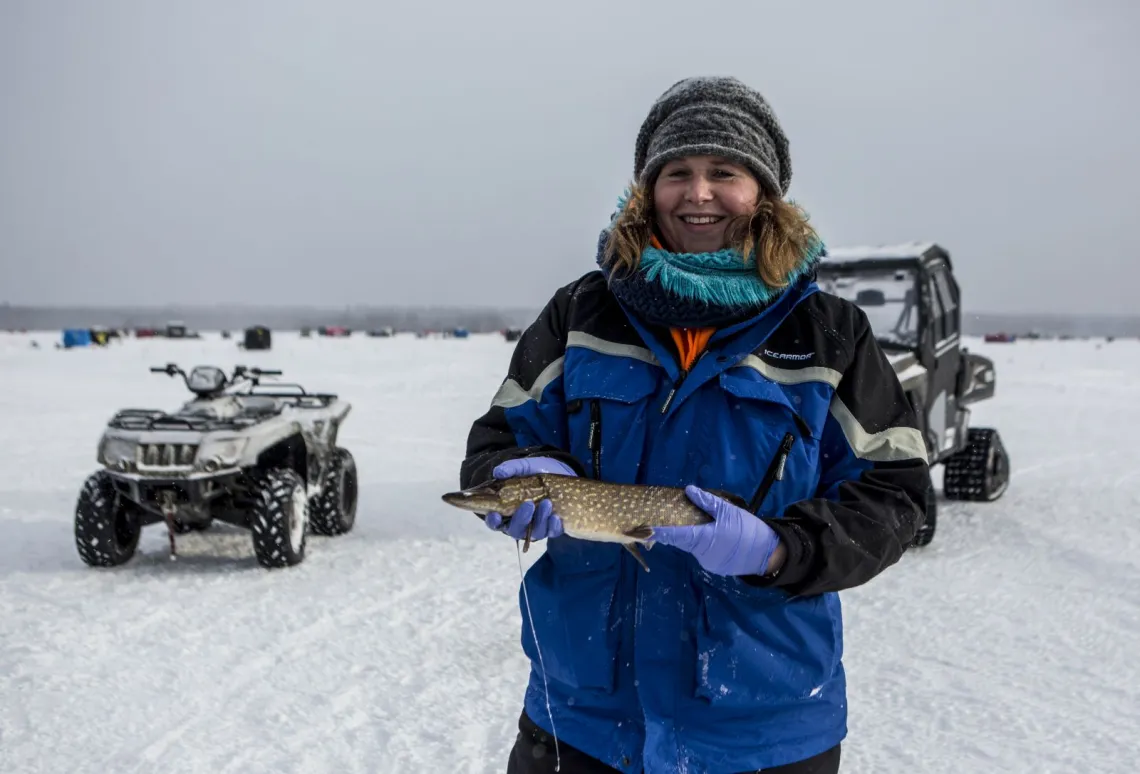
[{"x": 980, "y": 472}]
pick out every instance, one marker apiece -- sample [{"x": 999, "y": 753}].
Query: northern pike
[{"x": 589, "y": 509}]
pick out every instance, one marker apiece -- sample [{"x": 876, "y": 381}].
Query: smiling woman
[
  {"x": 708, "y": 218},
  {"x": 702, "y": 355},
  {"x": 696, "y": 197}
]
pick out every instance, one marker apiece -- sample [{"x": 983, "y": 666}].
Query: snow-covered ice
[{"x": 1008, "y": 645}]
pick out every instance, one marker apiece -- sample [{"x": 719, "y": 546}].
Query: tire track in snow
[
  {"x": 1018, "y": 472},
  {"x": 1118, "y": 483},
  {"x": 325, "y": 727},
  {"x": 286, "y": 652}
]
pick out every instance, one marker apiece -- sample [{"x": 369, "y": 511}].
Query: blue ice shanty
[{"x": 76, "y": 337}]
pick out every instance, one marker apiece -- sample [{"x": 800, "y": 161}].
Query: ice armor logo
[{"x": 788, "y": 355}]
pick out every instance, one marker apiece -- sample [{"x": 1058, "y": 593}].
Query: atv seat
[{"x": 258, "y": 406}]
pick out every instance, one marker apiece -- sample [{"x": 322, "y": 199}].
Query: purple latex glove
[
  {"x": 736, "y": 543},
  {"x": 546, "y": 522}
]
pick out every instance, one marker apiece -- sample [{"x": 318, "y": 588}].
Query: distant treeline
[
  {"x": 477, "y": 320},
  {"x": 202, "y": 318},
  {"x": 1077, "y": 325}
]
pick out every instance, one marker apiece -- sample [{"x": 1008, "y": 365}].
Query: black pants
[{"x": 533, "y": 753}]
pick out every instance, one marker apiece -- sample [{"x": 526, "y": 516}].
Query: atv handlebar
[
  {"x": 253, "y": 375},
  {"x": 170, "y": 369}
]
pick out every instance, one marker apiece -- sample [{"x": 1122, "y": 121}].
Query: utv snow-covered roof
[{"x": 907, "y": 251}]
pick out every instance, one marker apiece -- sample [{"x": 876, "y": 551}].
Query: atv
[
  {"x": 262, "y": 457},
  {"x": 911, "y": 299}
]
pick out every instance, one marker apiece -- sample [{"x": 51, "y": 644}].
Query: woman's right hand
[{"x": 546, "y": 523}]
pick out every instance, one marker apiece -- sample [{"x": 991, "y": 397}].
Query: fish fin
[
  {"x": 632, "y": 548},
  {"x": 640, "y": 532}
]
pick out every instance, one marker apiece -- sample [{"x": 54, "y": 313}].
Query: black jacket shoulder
[{"x": 586, "y": 305}]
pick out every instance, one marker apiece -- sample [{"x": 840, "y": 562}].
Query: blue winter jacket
[{"x": 678, "y": 669}]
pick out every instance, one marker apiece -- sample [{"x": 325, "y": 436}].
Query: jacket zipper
[
  {"x": 677, "y": 384},
  {"x": 774, "y": 473},
  {"x": 672, "y": 392},
  {"x": 594, "y": 442}
]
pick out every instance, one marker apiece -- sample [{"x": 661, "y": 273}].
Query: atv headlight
[
  {"x": 114, "y": 452},
  {"x": 221, "y": 453}
]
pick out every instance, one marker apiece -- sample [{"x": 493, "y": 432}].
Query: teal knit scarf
[{"x": 721, "y": 279}]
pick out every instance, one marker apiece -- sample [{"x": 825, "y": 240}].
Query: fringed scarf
[{"x": 687, "y": 290}]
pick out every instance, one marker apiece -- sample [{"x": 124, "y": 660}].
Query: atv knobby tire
[
  {"x": 980, "y": 471},
  {"x": 279, "y": 517},
  {"x": 925, "y": 533},
  {"x": 107, "y": 529},
  {"x": 334, "y": 511}
]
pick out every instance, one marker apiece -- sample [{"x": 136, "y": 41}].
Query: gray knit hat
[{"x": 714, "y": 116}]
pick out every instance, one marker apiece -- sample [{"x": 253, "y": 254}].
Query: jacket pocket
[
  {"x": 571, "y": 591},
  {"x": 777, "y": 447},
  {"x": 771, "y": 403},
  {"x": 607, "y": 406},
  {"x": 756, "y": 648}
]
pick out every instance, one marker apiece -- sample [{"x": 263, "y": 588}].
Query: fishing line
[{"x": 541, "y": 664}]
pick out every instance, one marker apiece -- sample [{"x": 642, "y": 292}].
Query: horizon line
[{"x": 435, "y": 307}]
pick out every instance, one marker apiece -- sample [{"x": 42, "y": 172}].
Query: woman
[{"x": 702, "y": 354}]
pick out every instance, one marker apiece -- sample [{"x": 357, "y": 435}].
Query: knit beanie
[{"x": 714, "y": 116}]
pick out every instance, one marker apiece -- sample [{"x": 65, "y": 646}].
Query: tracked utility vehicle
[
  {"x": 259, "y": 456},
  {"x": 912, "y": 300}
]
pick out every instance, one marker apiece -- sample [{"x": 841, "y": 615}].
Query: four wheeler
[
  {"x": 260, "y": 457},
  {"x": 911, "y": 298}
]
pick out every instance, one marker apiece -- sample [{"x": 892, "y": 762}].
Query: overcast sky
[{"x": 356, "y": 151}]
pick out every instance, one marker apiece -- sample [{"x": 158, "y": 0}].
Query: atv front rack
[{"x": 153, "y": 419}]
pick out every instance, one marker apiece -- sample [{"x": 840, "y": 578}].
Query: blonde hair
[{"x": 777, "y": 230}]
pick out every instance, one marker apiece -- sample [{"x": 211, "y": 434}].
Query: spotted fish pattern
[{"x": 589, "y": 509}]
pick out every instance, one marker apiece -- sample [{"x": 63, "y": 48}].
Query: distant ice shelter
[
  {"x": 76, "y": 337},
  {"x": 257, "y": 337}
]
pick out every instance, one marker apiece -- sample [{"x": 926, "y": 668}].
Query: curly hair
[{"x": 777, "y": 230}]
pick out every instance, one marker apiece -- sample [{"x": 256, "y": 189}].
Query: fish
[{"x": 589, "y": 509}]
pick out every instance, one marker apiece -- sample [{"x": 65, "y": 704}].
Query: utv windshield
[{"x": 889, "y": 298}]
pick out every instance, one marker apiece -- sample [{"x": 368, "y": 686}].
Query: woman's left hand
[{"x": 735, "y": 543}]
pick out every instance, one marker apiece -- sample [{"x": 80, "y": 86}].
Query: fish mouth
[{"x": 481, "y": 499}]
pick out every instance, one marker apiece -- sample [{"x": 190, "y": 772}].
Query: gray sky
[{"x": 352, "y": 151}]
